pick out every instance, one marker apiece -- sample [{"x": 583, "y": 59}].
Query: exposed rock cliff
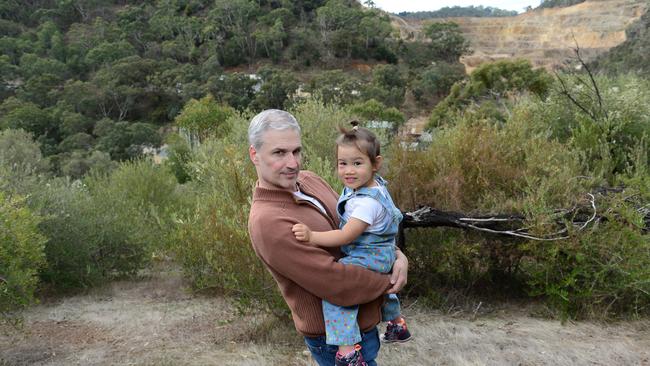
[{"x": 544, "y": 36}]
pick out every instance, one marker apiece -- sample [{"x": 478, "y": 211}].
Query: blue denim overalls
[{"x": 369, "y": 250}]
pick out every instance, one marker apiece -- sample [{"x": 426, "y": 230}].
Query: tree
[
  {"x": 374, "y": 28},
  {"x": 272, "y": 39},
  {"x": 107, "y": 52},
  {"x": 234, "y": 20},
  {"x": 338, "y": 21},
  {"x": 501, "y": 77},
  {"x": 234, "y": 89},
  {"x": 335, "y": 87},
  {"x": 21, "y": 162},
  {"x": 8, "y": 74},
  {"x": 205, "y": 117},
  {"x": 79, "y": 141},
  {"x": 123, "y": 140},
  {"x": 72, "y": 123},
  {"x": 41, "y": 89},
  {"x": 372, "y": 110},
  {"x": 33, "y": 65},
  {"x": 388, "y": 86},
  {"x": 491, "y": 85},
  {"x": 436, "y": 80},
  {"x": 447, "y": 41},
  {"x": 277, "y": 90},
  {"x": 121, "y": 84},
  {"x": 28, "y": 117}
]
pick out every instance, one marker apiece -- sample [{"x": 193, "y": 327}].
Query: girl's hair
[{"x": 361, "y": 138}]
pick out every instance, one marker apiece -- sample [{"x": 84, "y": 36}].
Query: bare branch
[
  {"x": 514, "y": 225},
  {"x": 565, "y": 92}
]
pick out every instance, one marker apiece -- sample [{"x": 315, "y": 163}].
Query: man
[{"x": 306, "y": 274}]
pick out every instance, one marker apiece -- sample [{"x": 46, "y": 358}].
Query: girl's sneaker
[
  {"x": 396, "y": 332},
  {"x": 351, "y": 359}
]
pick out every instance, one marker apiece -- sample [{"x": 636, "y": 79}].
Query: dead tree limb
[{"x": 567, "y": 221}]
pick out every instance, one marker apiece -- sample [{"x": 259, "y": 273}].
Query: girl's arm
[{"x": 332, "y": 238}]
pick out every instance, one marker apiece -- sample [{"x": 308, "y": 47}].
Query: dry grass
[{"x": 156, "y": 321}]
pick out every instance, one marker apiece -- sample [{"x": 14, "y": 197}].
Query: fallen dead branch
[{"x": 567, "y": 221}]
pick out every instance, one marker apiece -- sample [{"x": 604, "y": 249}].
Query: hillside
[
  {"x": 633, "y": 55},
  {"x": 544, "y": 36}
]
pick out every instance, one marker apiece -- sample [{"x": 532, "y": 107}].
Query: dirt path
[{"x": 157, "y": 322}]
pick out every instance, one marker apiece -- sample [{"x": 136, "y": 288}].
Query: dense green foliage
[
  {"x": 107, "y": 225},
  {"x": 459, "y": 11},
  {"x": 21, "y": 255},
  {"x": 447, "y": 41},
  {"x": 488, "y": 86},
  {"x": 102, "y": 80},
  {"x": 85, "y": 89},
  {"x": 532, "y": 156}
]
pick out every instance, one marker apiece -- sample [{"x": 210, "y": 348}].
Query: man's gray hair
[{"x": 270, "y": 119}]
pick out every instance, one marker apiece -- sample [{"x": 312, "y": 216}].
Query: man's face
[{"x": 278, "y": 160}]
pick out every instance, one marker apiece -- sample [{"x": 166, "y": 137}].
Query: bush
[
  {"x": 498, "y": 82},
  {"x": 606, "y": 135},
  {"x": 485, "y": 166},
  {"x": 21, "y": 255},
  {"x": 533, "y": 161},
  {"x": 211, "y": 241},
  {"x": 604, "y": 272},
  {"x": 106, "y": 225},
  {"x": 22, "y": 167}
]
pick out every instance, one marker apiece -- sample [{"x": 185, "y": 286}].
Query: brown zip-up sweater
[{"x": 306, "y": 273}]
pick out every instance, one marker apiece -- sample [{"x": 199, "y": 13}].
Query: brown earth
[
  {"x": 546, "y": 37},
  {"x": 156, "y": 321}
]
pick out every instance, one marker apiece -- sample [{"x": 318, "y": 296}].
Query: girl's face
[{"x": 354, "y": 167}]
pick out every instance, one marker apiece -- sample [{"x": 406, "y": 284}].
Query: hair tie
[{"x": 355, "y": 125}]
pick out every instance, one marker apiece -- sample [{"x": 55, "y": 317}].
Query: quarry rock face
[{"x": 546, "y": 37}]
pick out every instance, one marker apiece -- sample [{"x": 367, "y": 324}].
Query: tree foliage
[
  {"x": 459, "y": 11},
  {"x": 447, "y": 41},
  {"x": 21, "y": 256},
  {"x": 205, "y": 117},
  {"x": 489, "y": 86}
]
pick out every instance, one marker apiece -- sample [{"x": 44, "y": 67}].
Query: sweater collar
[{"x": 278, "y": 195}]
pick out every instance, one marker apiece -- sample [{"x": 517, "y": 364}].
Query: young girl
[{"x": 369, "y": 224}]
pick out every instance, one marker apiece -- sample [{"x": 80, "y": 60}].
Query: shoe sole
[{"x": 395, "y": 340}]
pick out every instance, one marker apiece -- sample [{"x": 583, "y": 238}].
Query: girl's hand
[{"x": 301, "y": 231}]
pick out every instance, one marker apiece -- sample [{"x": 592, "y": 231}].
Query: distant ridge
[{"x": 545, "y": 36}]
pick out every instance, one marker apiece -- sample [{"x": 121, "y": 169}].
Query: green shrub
[
  {"x": 179, "y": 156},
  {"x": 485, "y": 166},
  {"x": 542, "y": 156},
  {"x": 22, "y": 167},
  {"x": 603, "y": 272},
  {"x": 21, "y": 255},
  {"x": 106, "y": 225},
  {"x": 211, "y": 242},
  {"x": 604, "y": 135},
  {"x": 499, "y": 82}
]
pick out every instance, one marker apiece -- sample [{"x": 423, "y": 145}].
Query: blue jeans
[{"x": 324, "y": 353}]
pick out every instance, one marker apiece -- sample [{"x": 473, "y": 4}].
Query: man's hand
[
  {"x": 400, "y": 273},
  {"x": 302, "y": 232}
]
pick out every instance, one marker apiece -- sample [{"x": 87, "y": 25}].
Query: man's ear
[
  {"x": 378, "y": 161},
  {"x": 252, "y": 154}
]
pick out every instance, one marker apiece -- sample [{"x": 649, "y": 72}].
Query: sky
[{"x": 396, "y": 6}]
